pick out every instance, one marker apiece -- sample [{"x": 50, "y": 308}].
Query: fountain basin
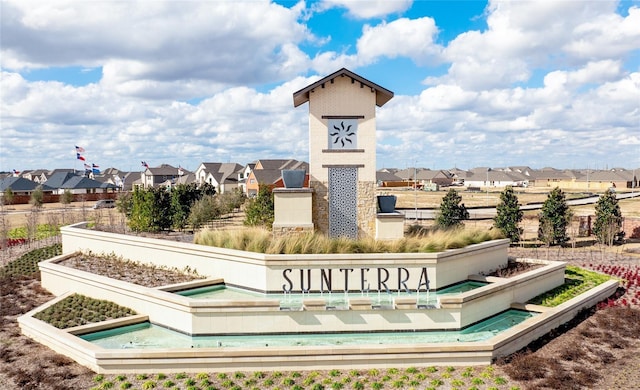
[{"x": 265, "y": 274}]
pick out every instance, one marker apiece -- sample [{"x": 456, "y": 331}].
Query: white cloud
[
  {"x": 410, "y": 38},
  {"x": 593, "y": 72},
  {"x": 606, "y": 36},
  {"x": 448, "y": 125},
  {"x": 154, "y": 44},
  {"x": 369, "y": 8},
  {"x": 574, "y": 33},
  {"x": 155, "y": 55},
  {"x": 329, "y": 62}
]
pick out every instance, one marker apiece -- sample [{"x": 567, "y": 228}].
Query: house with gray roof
[
  {"x": 223, "y": 176},
  {"x": 21, "y": 186},
  {"x": 158, "y": 176},
  {"x": 269, "y": 172},
  {"x": 488, "y": 177},
  {"x": 76, "y": 184},
  {"x": 123, "y": 180},
  {"x": 602, "y": 180},
  {"x": 384, "y": 178}
]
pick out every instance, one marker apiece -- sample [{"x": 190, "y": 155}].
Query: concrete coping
[
  {"x": 314, "y": 304},
  {"x": 293, "y": 190},
  {"x": 393, "y": 215}
]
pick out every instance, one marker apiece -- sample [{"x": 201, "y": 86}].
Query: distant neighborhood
[{"x": 93, "y": 184}]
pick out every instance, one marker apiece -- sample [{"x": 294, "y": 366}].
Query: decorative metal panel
[
  {"x": 343, "y": 133},
  {"x": 343, "y": 202}
]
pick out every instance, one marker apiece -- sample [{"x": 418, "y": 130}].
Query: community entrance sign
[{"x": 342, "y": 152}]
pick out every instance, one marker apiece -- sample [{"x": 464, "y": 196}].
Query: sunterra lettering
[{"x": 337, "y": 279}]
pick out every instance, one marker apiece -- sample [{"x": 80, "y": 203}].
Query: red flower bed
[
  {"x": 14, "y": 241},
  {"x": 629, "y": 276}
]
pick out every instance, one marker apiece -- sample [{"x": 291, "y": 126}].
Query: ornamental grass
[{"x": 262, "y": 241}]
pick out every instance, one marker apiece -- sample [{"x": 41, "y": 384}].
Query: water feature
[
  {"x": 293, "y": 301},
  {"x": 149, "y": 336}
]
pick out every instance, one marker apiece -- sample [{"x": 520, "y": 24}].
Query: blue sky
[{"x": 476, "y": 83}]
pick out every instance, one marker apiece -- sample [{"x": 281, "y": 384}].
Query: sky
[{"x": 476, "y": 83}]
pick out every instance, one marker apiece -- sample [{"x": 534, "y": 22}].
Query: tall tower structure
[{"x": 342, "y": 152}]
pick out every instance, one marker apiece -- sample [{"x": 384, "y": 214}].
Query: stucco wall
[
  {"x": 265, "y": 273},
  {"x": 342, "y": 97}
]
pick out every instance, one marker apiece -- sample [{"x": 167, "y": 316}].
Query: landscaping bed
[
  {"x": 129, "y": 271},
  {"x": 600, "y": 349}
]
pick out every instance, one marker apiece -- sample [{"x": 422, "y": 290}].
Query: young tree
[
  {"x": 140, "y": 218},
  {"x": 66, "y": 198},
  {"x": 608, "y": 219},
  {"x": 452, "y": 212},
  {"x": 7, "y": 197},
  {"x": 161, "y": 209},
  {"x": 554, "y": 218},
  {"x": 260, "y": 210},
  {"x": 124, "y": 203},
  {"x": 203, "y": 211},
  {"x": 37, "y": 197},
  {"x": 150, "y": 210},
  {"x": 183, "y": 197},
  {"x": 508, "y": 215},
  {"x": 230, "y": 201}
]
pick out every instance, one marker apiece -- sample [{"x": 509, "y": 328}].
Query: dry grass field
[
  {"x": 17, "y": 215},
  {"x": 432, "y": 199},
  {"x": 425, "y": 199}
]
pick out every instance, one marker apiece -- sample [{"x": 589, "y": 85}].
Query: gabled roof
[
  {"x": 408, "y": 173},
  {"x": 383, "y": 95},
  {"x": 266, "y": 176},
  {"x": 66, "y": 180},
  {"x": 163, "y": 170},
  {"x": 35, "y": 172},
  {"x": 186, "y": 179},
  {"x": 223, "y": 172},
  {"x": 282, "y": 164},
  {"x": 428, "y": 174},
  {"x": 383, "y": 175},
  {"x": 604, "y": 176},
  {"x": 20, "y": 184},
  {"x": 58, "y": 179}
]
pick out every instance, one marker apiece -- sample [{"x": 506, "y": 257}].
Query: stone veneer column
[
  {"x": 320, "y": 212},
  {"x": 367, "y": 209}
]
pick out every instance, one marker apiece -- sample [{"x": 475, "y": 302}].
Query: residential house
[
  {"x": 223, "y": 176},
  {"x": 440, "y": 178},
  {"x": 123, "y": 180},
  {"x": 385, "y": 178},
  {"x": 458, "y": 175},
  {"x": 36, "y": 175},
  {"x": 76, "y": 184},
  {"x": 20, "y": 186},
  {"x": 269, "y": 172},
  {"x": 602, "y": 180},
  {"x": 165, "y": 173},
  {"x": 243, "y": 177},
  {"x": 550, "y": 178},
  {"x": 487, "y": 177}
]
